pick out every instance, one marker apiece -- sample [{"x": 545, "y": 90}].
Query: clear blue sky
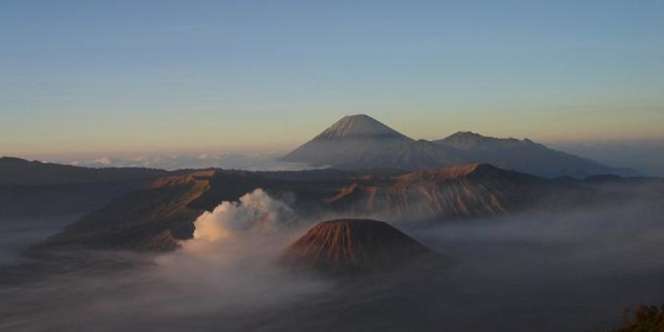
[{"x": 105, "y": 76}]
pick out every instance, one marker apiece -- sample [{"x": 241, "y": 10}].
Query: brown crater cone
[{"x": 353, "y": 245}]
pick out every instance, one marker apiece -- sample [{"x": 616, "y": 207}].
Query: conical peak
[
  {"x": 353, "y": 245},
  {"x": 359, "y": 125}
]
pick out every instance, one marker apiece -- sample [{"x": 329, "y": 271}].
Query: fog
[
  {"x": 227, "y": 271},
  {"x": 644, "y": 156},
  {"x": 244, "y": 161},
  {"x": 16, "y": 234},
  {"x": 575, "y": 271}
]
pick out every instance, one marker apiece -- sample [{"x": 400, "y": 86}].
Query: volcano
[
  {"x": 354, "y": 245},
  {"x": 362, "y": 142},
  {"x": 360, "y": 126}
]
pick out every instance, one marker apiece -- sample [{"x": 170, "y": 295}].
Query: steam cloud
[
  {"x": 256, "y": 212},
  {"x": 230, "y": 264}
]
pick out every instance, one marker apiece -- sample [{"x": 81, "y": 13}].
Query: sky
[{"x": 122, "y": 76}]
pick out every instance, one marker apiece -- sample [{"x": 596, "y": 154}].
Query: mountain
[
  {"x": 456, "y": 192},
  {"x": 360, "y": 126},
  {"x": 525, "y": 156},
  {"x": 353, "y": 245},
  {"x": 361, "y": 142},
  {"x": 154, "y": 217},
  {"x": 36, "y": 189}
]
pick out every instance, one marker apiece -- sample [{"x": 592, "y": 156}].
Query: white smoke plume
[{"x": 256, "y": 212}]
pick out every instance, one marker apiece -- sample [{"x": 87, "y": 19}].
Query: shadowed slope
[{"x": 149, "y": 219}]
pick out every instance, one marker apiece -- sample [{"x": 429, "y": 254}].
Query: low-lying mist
[
  {"x": 16, "y": 234},
  {"x": 226, "y": 273},
  {"x": 573, "y": 271},
  {"x": 244, "y": 161}
]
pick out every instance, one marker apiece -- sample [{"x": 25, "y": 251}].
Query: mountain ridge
[
  {"x": 17, "y": 171},
  {"x": 360, "y": 142},
  {"x": 525, "y": 155},
  {"x": 36, "y": 189}
]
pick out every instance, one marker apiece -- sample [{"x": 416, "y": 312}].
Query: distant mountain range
[{"x": 361, "y": 142}]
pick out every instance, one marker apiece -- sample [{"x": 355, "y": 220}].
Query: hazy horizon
[{"x": 641, "y": 155}]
